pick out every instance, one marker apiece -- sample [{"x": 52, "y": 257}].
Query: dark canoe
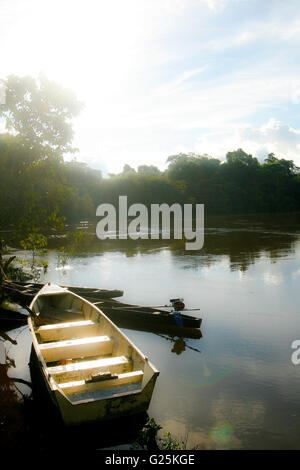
[
  {"x": 98, "y": 293},
  {"x": 125, "y": 314},
  {"x": 171, "y": 331},
  {"x": 28, "y": 290},
  {"x": 9, "y": 318}
]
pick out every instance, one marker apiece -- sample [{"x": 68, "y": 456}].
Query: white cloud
[
  {"x": 273, "y": 136},
  {"x": 273, "y": 279},
  {"x": 163, "y": 76},
  {"x": 295, "y": 273},
  {"x": 273, "y": 31},
  {"x": 190, "y": 113},
  {"x": 175, "y": 85},
  {"x": 188, "y": 74},
  {"x": 216, "y": 5}
]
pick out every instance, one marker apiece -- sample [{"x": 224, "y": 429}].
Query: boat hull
[
  {"x": 104, "y": 410},
  {"x": 149, "y": 318},
  {"x": 72, "y": 387}
]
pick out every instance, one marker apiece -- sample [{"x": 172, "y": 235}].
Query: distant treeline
[
  {"x": 40, "y": 191},
  {"x": 31, "y": 185}
]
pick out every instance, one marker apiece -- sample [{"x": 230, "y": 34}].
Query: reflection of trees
[
  {"x": 91, "y": 244},
  {"x": 7, "y": 386},
  {"x": 242, "y": 240},
  {"x": 7, "y": 338},
  {"x": 6, "y": 382},
  {"x": 242, "y": 245},
  {"x": 12, "y": 417},
  {"x": 244, "y": 248}
]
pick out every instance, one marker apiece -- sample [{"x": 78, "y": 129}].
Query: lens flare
[{"x": 221, "y": 433}]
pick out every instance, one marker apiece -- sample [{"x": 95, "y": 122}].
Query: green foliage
[
  {"x": 39, "y": 196},
  {"x": 148, "y": 438},
  {"x": 239, "y": 185},
  {"x": 148, "y": 170},
  {"x": 34, "y": 241},
  {"x": 30, "y": 266},
  {"x": 40, "y": 112},
  {"x": 128, "y": 170},
  {"x": 34, "y": 192},
  {"x": 168, "y": 442},
  {"x": 72, "y": 245},
  {"x": 4, "y": 265},
  {"x": 239, "y": 157},
  {"x": 40, "y": 192}
]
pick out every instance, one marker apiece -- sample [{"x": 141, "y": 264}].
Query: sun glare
[{"x": 91, "y": 47}]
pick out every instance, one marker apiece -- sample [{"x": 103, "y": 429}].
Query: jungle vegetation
[{"x": 41, "y": 190}]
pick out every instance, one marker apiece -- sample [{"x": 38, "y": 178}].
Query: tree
[
  {"x": 38, "y": 116},
  {"x": 287, "y": 165},
  {"x": 40, "y": 112},
  {"x": 241, "y": 157},
  {"x": 149, "y": 170},
  {"x": 127, "y": 169}
]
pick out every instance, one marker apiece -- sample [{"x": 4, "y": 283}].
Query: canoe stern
[{"x": 106, "y": 409}]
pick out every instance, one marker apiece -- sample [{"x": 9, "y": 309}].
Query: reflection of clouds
[
  {"x": 272, "y": 279},
  {"x": 295, "y": 273},
  {"x": 220, "y": 435},
  {"x": 66, "y": 267},
  {"x": 232, "y": 416},
  {"x": 196, "y": 439},
  {"x": 270, "y": 387},
  {"x": 244, "y": 276},
  {"x": 239, "y": 413},
  {"x": 281, "y": 373}
]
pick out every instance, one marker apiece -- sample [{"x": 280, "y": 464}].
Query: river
[{"x": 235, "y": 387}]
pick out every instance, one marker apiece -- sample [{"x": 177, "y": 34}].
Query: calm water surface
[{"x": 236, "y": 387}]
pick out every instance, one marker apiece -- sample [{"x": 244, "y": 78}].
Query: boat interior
[{"x": 86, "y": 356}]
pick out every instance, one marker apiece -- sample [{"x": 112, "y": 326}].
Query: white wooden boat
[{"x": 91, "y": 369}]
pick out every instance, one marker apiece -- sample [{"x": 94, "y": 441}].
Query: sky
[{"x": 160, "y": 77}]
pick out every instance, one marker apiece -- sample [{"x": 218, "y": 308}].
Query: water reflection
[
  {"x": 12, "y": 398},
  {"x": 157, "y": 329},
  {"x": 4, "y": 336},
  {"x": 179, "y": 343},
  {"x": 242, "y": 240},
  {"x": 237, "y": 388},
  {"x": 7, "y": 382}
]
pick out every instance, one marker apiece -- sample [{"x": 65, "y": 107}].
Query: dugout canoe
[
  {"x": 91, "y": 370},
  {"x": 124, "y": 315},
  {"x": 30, "y": 289},
  {"x": 12, "y": 314},
  {"x": 132, "y": 315}
]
